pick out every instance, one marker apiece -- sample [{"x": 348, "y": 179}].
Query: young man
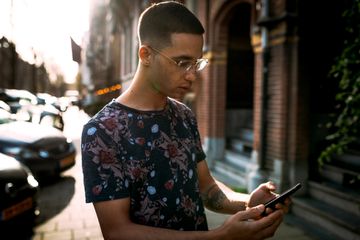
[{"x": 144, "y": 167}]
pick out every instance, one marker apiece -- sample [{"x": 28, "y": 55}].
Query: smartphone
[{"x": 281, "y": 198}]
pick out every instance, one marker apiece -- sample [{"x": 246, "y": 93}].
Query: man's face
[{"x": 173, "y": 77}]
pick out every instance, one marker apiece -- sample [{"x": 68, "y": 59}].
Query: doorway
[{"x": 240, "y": 82}]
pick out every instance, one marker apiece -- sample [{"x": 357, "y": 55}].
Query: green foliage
[{"x": 346, "y": 126}]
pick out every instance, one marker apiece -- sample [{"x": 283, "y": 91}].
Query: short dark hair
[{"x": 160, "y": 20}]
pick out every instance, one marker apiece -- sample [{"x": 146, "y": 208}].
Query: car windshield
[{"x": 21, "y": 95}]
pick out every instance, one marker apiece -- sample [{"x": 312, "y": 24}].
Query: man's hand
[
  {"x": 265, "y": 193},
  {"x": 250, "y": 225}
]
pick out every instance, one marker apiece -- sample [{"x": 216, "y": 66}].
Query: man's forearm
[
  {"x": 220, "y": 198},
  {"x": 140, "y": 232}
]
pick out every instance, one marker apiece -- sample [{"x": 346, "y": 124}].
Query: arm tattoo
[{"x": 214, "y": 198}]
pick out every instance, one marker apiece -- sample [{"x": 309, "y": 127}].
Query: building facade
[
  {"x": 263, "y": 101},
  {"x": 19, "y": 74}
]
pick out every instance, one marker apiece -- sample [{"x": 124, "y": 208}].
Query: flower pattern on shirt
[{"x": 150, "y": 157}]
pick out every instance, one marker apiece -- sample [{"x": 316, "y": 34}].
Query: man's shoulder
[
  {"x": 107, "y": 111},
  {"x": 106, "y": 121},
  {"x": 181, "y": 109},
  {"x": 176, "y": 104}
]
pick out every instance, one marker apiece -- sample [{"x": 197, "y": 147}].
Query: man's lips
[{"x": 185, "y": 88}]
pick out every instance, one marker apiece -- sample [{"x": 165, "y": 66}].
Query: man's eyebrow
[{"x": 184, "y": 57}]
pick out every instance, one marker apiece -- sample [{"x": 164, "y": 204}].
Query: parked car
[
  {"x": 4, "y": 106},
  {"x": 5, "y": 115},
  {"x": 45, "y": 150},
  {"x": 47, "y": 99},
  {"x": 18, "y": 194},
  {"x": 26, "y": 106}
]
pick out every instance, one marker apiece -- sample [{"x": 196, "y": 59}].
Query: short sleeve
[
  {"x": 200, "y": 154},
  {"x": 104, "y": 174}
]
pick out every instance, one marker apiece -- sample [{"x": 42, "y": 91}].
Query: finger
[
  {"x": 288, "y": 201},
  {"x": 268, "y": 211},
  {"x": 269, "y": 230},
  {"x": 282, "y": 207},
  {"x": 285, "y": 204},
  {"x": 267, "y": 226},
  {"x": 270, "y": 185},
  {"x": 251, "y": 213},
  {"x": 271, "y": 218}
]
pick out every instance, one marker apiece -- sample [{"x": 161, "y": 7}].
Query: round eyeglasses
[{"x": 186, "y": 65}]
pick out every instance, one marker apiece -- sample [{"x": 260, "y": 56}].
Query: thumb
[{"x": 251, "y": 213}]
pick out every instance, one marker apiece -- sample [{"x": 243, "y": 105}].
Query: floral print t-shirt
[{"x": 150, "y": 157}]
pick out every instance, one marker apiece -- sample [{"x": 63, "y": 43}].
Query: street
[{"x": 64, "y": 213}]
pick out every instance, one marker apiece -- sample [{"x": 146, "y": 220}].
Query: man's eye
[{"x": 185, "y": 64}]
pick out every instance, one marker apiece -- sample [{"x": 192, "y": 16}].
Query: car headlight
[
  {"x": 30, "y": 178},
  {"x": 44, "y": 154},
  {"x": 32, "y": 181}
]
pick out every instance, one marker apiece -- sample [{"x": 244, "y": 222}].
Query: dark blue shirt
[{"x": 150, "y": 157}]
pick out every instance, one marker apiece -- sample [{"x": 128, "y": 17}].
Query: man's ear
[{"x": 144, "y": 55}]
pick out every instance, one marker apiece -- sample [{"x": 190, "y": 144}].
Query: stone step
[
  {"x": 238, "y": 161},
  {"x": 336, "y": 195},
  {"x": 310, "y": 229},
  {"x": 233, "y": 170},
  {"x": 339, "y": 174},
  {"x": 240, "y": 146},
  {"x": 339, "y": 223},
  {"x": 350, "y": 159},
  {"x": 243, "y": 142}
]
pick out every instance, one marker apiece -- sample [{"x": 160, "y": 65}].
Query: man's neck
[{"x": 140, "y": 97}]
